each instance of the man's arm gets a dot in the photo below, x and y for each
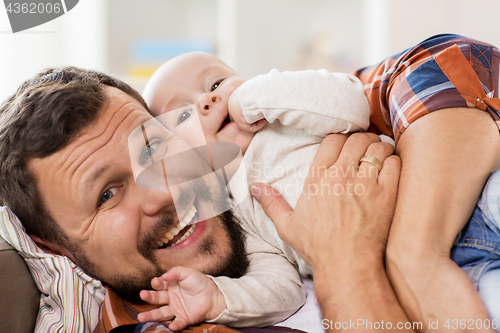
(446, 157)
(360, 295)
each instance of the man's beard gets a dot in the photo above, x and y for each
(128, 287)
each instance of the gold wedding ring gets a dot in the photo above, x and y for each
(372, 160)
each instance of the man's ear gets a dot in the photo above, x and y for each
(49, 247)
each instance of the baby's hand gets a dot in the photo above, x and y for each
(188, 297)
(236, 115)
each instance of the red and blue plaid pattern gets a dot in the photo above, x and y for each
(444, 71)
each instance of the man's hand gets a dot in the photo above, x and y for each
(340, 227)
(188, 297)
(346, 206)
(236, 115)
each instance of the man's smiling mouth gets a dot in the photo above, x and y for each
(180, 232)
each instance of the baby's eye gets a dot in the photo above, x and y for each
(185, 115)
(108, 194)
(215, 86)
(149, 151)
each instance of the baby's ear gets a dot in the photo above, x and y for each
(48, 247)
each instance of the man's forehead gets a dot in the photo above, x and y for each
(120, 101)
(119, 110)
(120, 115)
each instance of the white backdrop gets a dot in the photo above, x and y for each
(253, 36)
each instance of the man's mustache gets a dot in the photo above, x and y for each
(167, 219)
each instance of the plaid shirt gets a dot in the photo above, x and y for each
(444, 71)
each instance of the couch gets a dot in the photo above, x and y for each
(19, 297)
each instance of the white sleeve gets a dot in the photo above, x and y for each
(268, 293)
(319, 102)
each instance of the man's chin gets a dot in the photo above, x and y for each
(128, 288)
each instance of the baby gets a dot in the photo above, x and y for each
(200, 99)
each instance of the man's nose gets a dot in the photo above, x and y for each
(154, 201)
(207, 102)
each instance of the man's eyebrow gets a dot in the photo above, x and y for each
(98, 173)
(94, 176)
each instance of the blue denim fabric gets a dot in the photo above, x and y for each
(477, 247)
(151, 326)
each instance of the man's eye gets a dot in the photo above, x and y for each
(108, 194)
(215, 86)
(184, 116)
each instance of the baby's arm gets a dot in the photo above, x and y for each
(188, 297)
(268, 293)
(319, 102)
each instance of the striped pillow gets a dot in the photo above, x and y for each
(70, 299)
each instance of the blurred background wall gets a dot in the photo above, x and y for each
(130, 38)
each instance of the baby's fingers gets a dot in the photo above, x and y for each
(159, 284)
(154, 297)
(178, 273)
(179, 323)
(163, 313)
(254, 127)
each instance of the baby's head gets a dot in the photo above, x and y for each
(202, 80)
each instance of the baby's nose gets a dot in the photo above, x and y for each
(207, 102)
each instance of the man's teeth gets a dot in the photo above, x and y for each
(186, 235)
(169, 235)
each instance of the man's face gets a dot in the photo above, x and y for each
(114, 226)
(191, 93)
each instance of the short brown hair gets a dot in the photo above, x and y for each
(41, 118)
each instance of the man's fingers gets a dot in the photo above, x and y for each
(354, 148)
(328, 151)
(389, 176)
(375, 153)
(274, 206)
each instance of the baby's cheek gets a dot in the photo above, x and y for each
(233, 103)
(195, 138)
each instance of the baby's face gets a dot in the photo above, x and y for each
(191, 92)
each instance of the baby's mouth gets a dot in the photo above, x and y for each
(180, 232)
(226, 122)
